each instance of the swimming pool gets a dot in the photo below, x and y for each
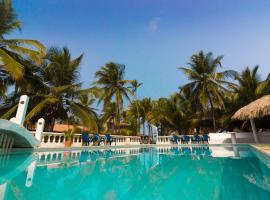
(168, 172)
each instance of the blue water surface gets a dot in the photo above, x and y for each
(202, 172)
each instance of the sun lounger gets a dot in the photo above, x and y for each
(174, 139)
(108, 139)
(205, 138)
(185, 139)
(85, 139)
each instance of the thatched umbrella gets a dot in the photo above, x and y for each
(256, 109)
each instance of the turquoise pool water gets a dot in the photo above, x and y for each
(215, 172)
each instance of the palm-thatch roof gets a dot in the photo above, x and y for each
(256, 109)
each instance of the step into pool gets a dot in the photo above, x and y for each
(169, 172)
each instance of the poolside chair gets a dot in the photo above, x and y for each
(108, 139)
(85, 139)
(205, 138)
(196, 139)
(185, 139)
(96, 139)
(174, 139)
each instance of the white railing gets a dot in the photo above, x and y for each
(227, 138)
(163, 139)
(57, 140)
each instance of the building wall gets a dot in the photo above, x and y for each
(241, 137)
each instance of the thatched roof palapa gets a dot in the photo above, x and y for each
(256, 109)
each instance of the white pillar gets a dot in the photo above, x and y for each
(233, 137)
(39, 129)
(30, 174)
(22, 108)
(254, 131)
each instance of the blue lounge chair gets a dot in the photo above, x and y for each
(85, 139)
(95, 139)
(174, 139)
(108, 139)
(185, 139)
(196, 139)
(205, 138)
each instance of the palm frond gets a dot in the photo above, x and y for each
(40, 106)
(14, 68)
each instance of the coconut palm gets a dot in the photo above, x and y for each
(14, 50)
(110, 80)
(263, 87)
(134, 86)
(145, 107)
(248, 83)
(208, 86)
(63, 95)
(109, 116)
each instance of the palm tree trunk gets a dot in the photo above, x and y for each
(143, 127)
(213, 115)
(118, 118)
(138, 114)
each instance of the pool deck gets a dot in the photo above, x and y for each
(265, 148)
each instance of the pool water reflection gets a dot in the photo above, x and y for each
(202, 172)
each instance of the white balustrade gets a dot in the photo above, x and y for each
(57, 140)
(163, 140)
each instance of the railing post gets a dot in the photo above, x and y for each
(127, 140)
(233, 137)
(39, 129)
(21, 111)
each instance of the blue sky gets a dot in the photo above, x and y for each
(151, 37)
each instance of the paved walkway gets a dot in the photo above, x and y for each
(263, 147)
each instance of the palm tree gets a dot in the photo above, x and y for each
(109, 116)
(145, 107)
(248, 83)
(246, 91)
(63, 95)
(208, 86)
(134, 86)
(110, 80)
(263, 87)
(14, 50)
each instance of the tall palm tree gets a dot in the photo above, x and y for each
(63, 95)
(134, 86)
(14, 50)
(110, 80)
(109, 116)
(208, 86)
(248, 83)
(264, 87)
(145, 107)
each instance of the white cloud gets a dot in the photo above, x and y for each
(154, 24)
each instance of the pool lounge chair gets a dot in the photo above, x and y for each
(196, 139)
(174, 139)
(205, 138)
(96, 139)
(108, 139)
(85, 139)
(185, 139)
